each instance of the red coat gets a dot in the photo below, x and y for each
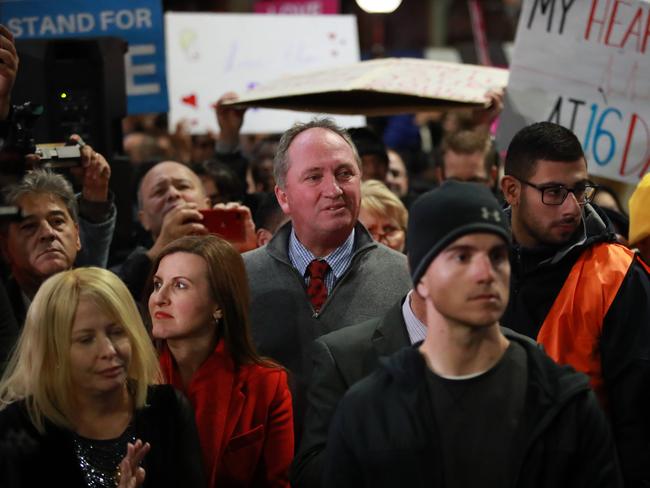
(244, 418)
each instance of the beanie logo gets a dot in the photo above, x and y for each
(490, 215)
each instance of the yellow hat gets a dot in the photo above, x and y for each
(640, 211)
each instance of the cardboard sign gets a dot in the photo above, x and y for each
(311, 7)
(139, 22)
(585, 65)
(211, 54)
(381, 87)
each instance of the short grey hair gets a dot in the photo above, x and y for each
(43, 181)
(281, 160)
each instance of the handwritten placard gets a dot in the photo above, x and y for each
(210, 54)
(381, 87)
(584, 64)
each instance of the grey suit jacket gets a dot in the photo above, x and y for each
(340, 359)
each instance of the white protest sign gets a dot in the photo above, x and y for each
(585, 65)
(210, 54)
(380, 87)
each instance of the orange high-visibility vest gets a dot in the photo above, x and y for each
(572, 329)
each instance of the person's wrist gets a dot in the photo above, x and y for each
(95, 196)
(5, 107)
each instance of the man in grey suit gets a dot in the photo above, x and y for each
(342, 358)
(321, 271)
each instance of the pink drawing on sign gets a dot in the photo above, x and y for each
(190, 100)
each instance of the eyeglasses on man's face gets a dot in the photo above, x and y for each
(556, 194)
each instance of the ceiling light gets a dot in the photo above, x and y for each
(379, 6)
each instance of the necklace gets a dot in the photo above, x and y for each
(99, 459)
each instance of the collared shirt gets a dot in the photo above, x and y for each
(416, 329)
(339, 260)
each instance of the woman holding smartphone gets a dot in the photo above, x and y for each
(199, 309)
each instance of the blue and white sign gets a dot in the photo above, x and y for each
(139, 22)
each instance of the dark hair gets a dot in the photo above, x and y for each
(470, 142)
(263, 153)
(265, 148)
(269, 214)
(368, 142)
(230, 187)
(229, 286)
(540, 141)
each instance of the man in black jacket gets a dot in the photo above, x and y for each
(574, 289)
(470, 406)
(340, 359)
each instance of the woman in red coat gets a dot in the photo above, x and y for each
(199, 308)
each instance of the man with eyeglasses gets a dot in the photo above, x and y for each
(574, 289)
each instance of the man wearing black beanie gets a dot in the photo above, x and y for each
(469, 406)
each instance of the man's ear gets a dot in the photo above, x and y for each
(263, 236)
(282, 200)
(422, 289)
(144, 221)
(76, 226)
(511, 189)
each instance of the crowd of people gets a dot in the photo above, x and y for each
(397, 311)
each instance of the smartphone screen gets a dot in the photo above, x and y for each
(226, 223)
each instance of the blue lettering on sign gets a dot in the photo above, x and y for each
(602, 138)
(139, 22)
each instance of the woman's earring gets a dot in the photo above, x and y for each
(217, 316)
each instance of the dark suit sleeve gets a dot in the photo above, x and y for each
(625, 356)
(326, 388)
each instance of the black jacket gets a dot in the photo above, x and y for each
(30, 459)
(384, 433)
(536, 279)
(340, 359)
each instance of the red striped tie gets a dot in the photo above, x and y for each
(317, 290)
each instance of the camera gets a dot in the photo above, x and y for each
(56, 156)
(19, 142)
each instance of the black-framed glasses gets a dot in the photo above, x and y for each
(556, 194)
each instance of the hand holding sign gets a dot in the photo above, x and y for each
(230, 120)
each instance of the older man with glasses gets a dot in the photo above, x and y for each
(583, 296)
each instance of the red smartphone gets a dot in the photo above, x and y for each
(226, 223)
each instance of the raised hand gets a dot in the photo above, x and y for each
(130, 473)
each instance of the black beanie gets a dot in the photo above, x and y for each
(440, 216)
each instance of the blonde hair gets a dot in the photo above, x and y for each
(39, 368)
(376, 198)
